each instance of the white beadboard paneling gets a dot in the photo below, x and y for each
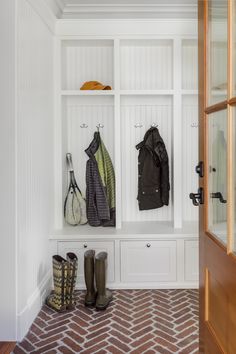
(189, 64)
(8, 172)
(34, 151)
(190, 155)
(86, 60)
(144, 110)
(146, 64)
(90, 111)
(219, 65)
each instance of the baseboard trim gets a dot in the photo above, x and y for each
(34, 303)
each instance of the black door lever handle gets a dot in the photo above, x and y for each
(197, 198)
(219, 196)
(200, 169)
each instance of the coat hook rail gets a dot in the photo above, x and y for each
(154, 125)
(194, 125)
(84, 125)
(138, 125)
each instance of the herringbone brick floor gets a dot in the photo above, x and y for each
(136, 322)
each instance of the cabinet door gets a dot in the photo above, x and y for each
(148, 261)
(79, 247)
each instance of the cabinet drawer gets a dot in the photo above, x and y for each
(191, 260)
(148, 261)
(79, 247)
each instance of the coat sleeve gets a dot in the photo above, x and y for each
(91, 209)
(97, 206)
(100, 197)
(161, 152)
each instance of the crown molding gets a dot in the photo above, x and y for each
(130, 10)
(56, 7)
(61, 4)
(124, 27)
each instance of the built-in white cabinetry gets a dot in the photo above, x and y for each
(148, 261)
(79, 247)
(154, 82)
(167, 259)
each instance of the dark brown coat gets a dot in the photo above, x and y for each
(153, 171)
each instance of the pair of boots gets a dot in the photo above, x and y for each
(96, 266)
(64, 278)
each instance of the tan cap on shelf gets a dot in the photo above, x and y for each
(94, 85)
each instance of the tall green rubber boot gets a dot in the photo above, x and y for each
(71, 280)
(57, 299)
(104, 296)
(90, 296)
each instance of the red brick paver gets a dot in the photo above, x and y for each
(137, 321)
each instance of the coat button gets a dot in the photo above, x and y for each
(139, 176)
(143, 192)
(156, 190)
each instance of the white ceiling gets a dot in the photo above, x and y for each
(111, 9)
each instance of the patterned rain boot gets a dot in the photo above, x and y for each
(57, 299)
(104, 296)
(90, 296)
(71, 280)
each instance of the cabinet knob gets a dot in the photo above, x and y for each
(148, 245)
(85, 245)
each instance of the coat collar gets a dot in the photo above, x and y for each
(94, 145)
(151, 138)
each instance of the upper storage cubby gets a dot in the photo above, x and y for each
(189, 64)
(146, 64)
(86, 60)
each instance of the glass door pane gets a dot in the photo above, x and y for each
(217, 52)
(217, 168)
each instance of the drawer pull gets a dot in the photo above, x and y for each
(148, 245)
(85, 245)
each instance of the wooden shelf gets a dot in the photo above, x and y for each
(87, 92)
(130, 230)
(189, 92)
(146, 92)
(218, 93)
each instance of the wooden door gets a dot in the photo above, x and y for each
(217, 114)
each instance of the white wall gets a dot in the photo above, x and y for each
(34, 160)
(7, 174)
(26, 156)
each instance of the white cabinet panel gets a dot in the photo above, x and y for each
(144, 261)
(79, 247)
(191, 260)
